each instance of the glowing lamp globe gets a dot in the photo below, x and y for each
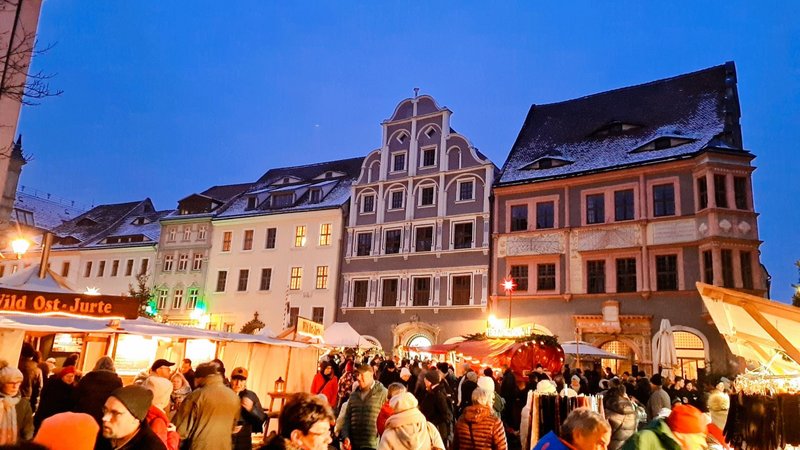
(280, 385)
(20, 246)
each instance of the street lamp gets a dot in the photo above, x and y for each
(509, 285)
(20, 245)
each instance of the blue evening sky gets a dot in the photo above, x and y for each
(166, 98)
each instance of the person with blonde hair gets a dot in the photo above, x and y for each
(478, 427)
(16, 416)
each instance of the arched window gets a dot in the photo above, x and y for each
(622, 349)
(419, 341)
(691, 353)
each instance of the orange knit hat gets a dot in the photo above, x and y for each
(68, 431)
(686, 419)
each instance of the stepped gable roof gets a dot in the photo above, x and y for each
(658, 121)
(300, 180)
(47, 214)
(98, 223)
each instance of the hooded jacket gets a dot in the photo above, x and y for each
(408, 430)
(158, 422)
(655, 436)
(478, 429)
(621, 415)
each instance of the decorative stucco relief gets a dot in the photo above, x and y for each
(672, 232)
(621, 237)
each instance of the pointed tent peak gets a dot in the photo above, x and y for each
(28, 279)
(342, 334)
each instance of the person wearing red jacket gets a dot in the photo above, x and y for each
(386, 410)
(326, 383)
(157, 417)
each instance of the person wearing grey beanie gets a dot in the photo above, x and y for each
(16, 416)
(124, 427)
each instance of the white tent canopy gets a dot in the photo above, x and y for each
(341, 334)
(28, 279)
(585, 349)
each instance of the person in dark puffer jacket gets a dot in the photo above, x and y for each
(621, 415)
(95, 387)
(478, 428)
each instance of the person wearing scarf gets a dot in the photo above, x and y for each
(180, 389)
(326, 383)
(16, 416)
(58, 395)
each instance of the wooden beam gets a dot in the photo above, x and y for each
(787, 346)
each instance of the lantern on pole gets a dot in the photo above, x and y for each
(280, 385)
(509, 285)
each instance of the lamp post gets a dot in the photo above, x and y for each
(509, 285)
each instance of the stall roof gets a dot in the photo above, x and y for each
(756, 329)
(482, 350)
(28, 279)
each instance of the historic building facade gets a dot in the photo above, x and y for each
(612, 206)
(416, 260)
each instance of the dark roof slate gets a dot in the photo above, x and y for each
(47, 214)
(702, 106)
(110, 220)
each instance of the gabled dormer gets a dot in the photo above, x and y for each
(662, 143)
(282, 199)
(86, 222)
(547, 162)
(126, 239)
(197, 204)
(614, 128)
(141, 220)
(329, 174)
(286, 180)
(68, 240)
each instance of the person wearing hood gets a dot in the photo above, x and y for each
(392, 390)
(180, 389)
(346, 383)
(478, 428)
(435, 405)
(326, 383)
(407, 428)
(58, 395)
(95, 387)
(304, 424)
(621, 415)
(16, 417)
(157, 418)
(684, 429)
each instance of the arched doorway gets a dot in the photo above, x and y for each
(622, 349)
(691, 353)
(419, 340)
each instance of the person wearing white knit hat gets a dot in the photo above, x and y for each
(407, 428)
(487, 384)
(157, 417)
(16, 416)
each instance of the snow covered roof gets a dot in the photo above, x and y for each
(28, 279)
(335, 190)
(47, 213)
(215, 196)
(94, 227)
(699, 110)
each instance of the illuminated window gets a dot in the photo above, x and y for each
(177, 299)
(325, 234)
(296, 280)
(621, 349)
(300, 236)
(191, 302)
(322, 277)
(247, 243)
(691, 353)
(226, 241)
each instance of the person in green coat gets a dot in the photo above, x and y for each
(684, 429)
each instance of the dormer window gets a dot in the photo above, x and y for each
(86, 222)
(282, 200)
(252, 202)
(663, 142)
(285, 180)
(314, 195)
(68, 240)
(614, 129)
(140, 221)
(328, 175)
(547, 162)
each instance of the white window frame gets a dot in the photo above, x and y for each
(419, 197)
(330, 235)
(422, 156)
(412, 290)
(177, 299)
(453, 233)
(371, 234)
(183, 262)
(352, 299)
(172, 234)
(414, 236)
(168, 261)
(405, 161)
(201, 233)
(361, 203)
(383, 247)
(197, 263)
(192, 295)
(471, 287)
(379, 295)
(461, 181)
(187, 232)
(391, 194)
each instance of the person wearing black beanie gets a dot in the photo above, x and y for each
(123, 420)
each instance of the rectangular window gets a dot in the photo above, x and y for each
(623, 205)
(427, 196)
(702, 193)
(322, 277)
(187, 233)
(247, 242)
(88, 272)
(422, 291)
(173, 232)
(244, 275)
(177, 299)
(545, 215)
(318, 314)
(392, 242)
(167, 266)
(519, 218)
(197, 261)
(183, 262)
(294, 312)
(360, 291)
(222, 279)
(266, 279)
(201, 233)
(114, 267)
(667, 272)
(389, 292)
(226, 241)
(162, 299)
(429, 157)
(746, 264)
(423, 241)
(720, 192)
(191, 300)
(626, 275)
(296, 279)
(364, 244)
(300, 236)
(282, 200)
(520, 276)
(545, 277)
(398, 162)
(368, 204)
(708, 267)
(727, 268)
(740, 192)
(462, 290)
(64, 269)
(314, 195)
(325, 234)
(143, 266)
(462, 235)
(663, 200)
(128, 267)
(101, 268)
(466, 190)
(595, 277)
(271, 233)
(595, 209)
(397, 200)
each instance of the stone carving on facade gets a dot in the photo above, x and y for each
(725, 225)
(618, 237)
(744, 227)
(673, 231)
(528, 245)
(703, 229)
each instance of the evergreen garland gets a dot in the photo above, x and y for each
(551, 341)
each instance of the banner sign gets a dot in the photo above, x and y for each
(308, 328)
(72, 304)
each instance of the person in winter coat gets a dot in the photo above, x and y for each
(346, 383)
(407, 428)
(326, 383)
(392, 390)
(16, 417)
(498, 404)
(252, 415)
(718, 404)
(435, 405)
(468, 386)
(208, 415)
(390, 374)
(33, 381)
(683, 429)
(360, 428)
(180, 389)
(621, 415)
(478, 428)
(95, 387)
(582, 430)
(124, 425)
(157, 418)
(58, 395)
(304, 424)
